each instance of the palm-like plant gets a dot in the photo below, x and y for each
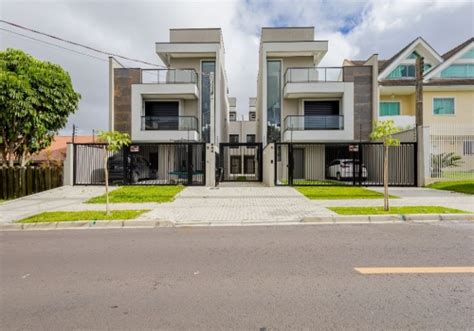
(444, 160)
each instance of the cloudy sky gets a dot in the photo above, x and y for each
(355, 29)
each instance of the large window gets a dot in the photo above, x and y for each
(458, 71)
(233, 138)
(250, 138)
(161, 115)
(207, 67)
(443, 106)
(389, 108)
(249, 164)
(406, 71)
(273, 100)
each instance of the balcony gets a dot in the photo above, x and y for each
(313, 122)
(313, 74)
(169, 123)
(169, 76)
(164, 128)
(318, 128)
(168, 83)
(314, 82)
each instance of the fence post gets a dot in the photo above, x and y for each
(190, 164)
(69, 176)
(290, 164)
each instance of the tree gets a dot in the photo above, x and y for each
(383, 131)
(115, 141)
(36, 99)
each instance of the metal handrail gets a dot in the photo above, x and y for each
(313, 122)
(169, 76)
(178, 123)
(313, 74)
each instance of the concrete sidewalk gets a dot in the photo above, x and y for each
(61, 198)
(226, 204)
(410, 196)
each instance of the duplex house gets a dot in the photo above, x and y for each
(184, 101)
(167, 109)
(319, 110)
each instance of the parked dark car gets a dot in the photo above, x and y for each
(138, 168)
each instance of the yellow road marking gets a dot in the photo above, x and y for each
(415, 270)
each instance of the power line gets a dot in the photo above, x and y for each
(54, 45)
(81, 45)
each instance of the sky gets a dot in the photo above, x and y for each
(355, 30)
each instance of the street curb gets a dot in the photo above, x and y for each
(319, 220)
(362, 219)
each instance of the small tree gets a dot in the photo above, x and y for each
(383, 131)
(115, 142)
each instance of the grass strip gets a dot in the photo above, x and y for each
(404, 210)
(338, 192)
(140, 193)
(86, 215)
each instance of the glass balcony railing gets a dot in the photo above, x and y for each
(314, 74)
(168, 76)
(314, 122)
(178, 123)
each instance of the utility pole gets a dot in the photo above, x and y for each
(419, 90)
(422, 136)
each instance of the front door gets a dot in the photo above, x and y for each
(298, 163)
(241, 161)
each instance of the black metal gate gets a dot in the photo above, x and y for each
(344, 164)
(240, 162)
(142, 164)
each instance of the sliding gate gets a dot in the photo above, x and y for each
(344, 164)
(240, 162)
(141, 164)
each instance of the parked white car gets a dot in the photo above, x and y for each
(342, 169)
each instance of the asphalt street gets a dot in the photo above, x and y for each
(280, 277)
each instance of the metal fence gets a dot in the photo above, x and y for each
(141, 164)
(451, 149)
(240, 162)
(344, 164)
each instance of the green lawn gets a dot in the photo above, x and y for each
(461, 186)
(395, 210)
(338, 192)
(138, 193)
(88, 215)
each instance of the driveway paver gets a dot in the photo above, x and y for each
(237, 204)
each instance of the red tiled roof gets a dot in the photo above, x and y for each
(57, 150)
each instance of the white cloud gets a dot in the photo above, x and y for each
(355, 29)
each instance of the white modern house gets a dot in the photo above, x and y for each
(185, 102)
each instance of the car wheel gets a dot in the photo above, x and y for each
(338, 176)
(135, 177)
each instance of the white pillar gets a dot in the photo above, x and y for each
(211, 151)
(268, 165)
(423, 157)
(68, 166)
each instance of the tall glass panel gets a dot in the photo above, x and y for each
(207, 67)
(273, 100)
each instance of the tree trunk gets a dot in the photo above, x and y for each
(385, 179)
(106, 172)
